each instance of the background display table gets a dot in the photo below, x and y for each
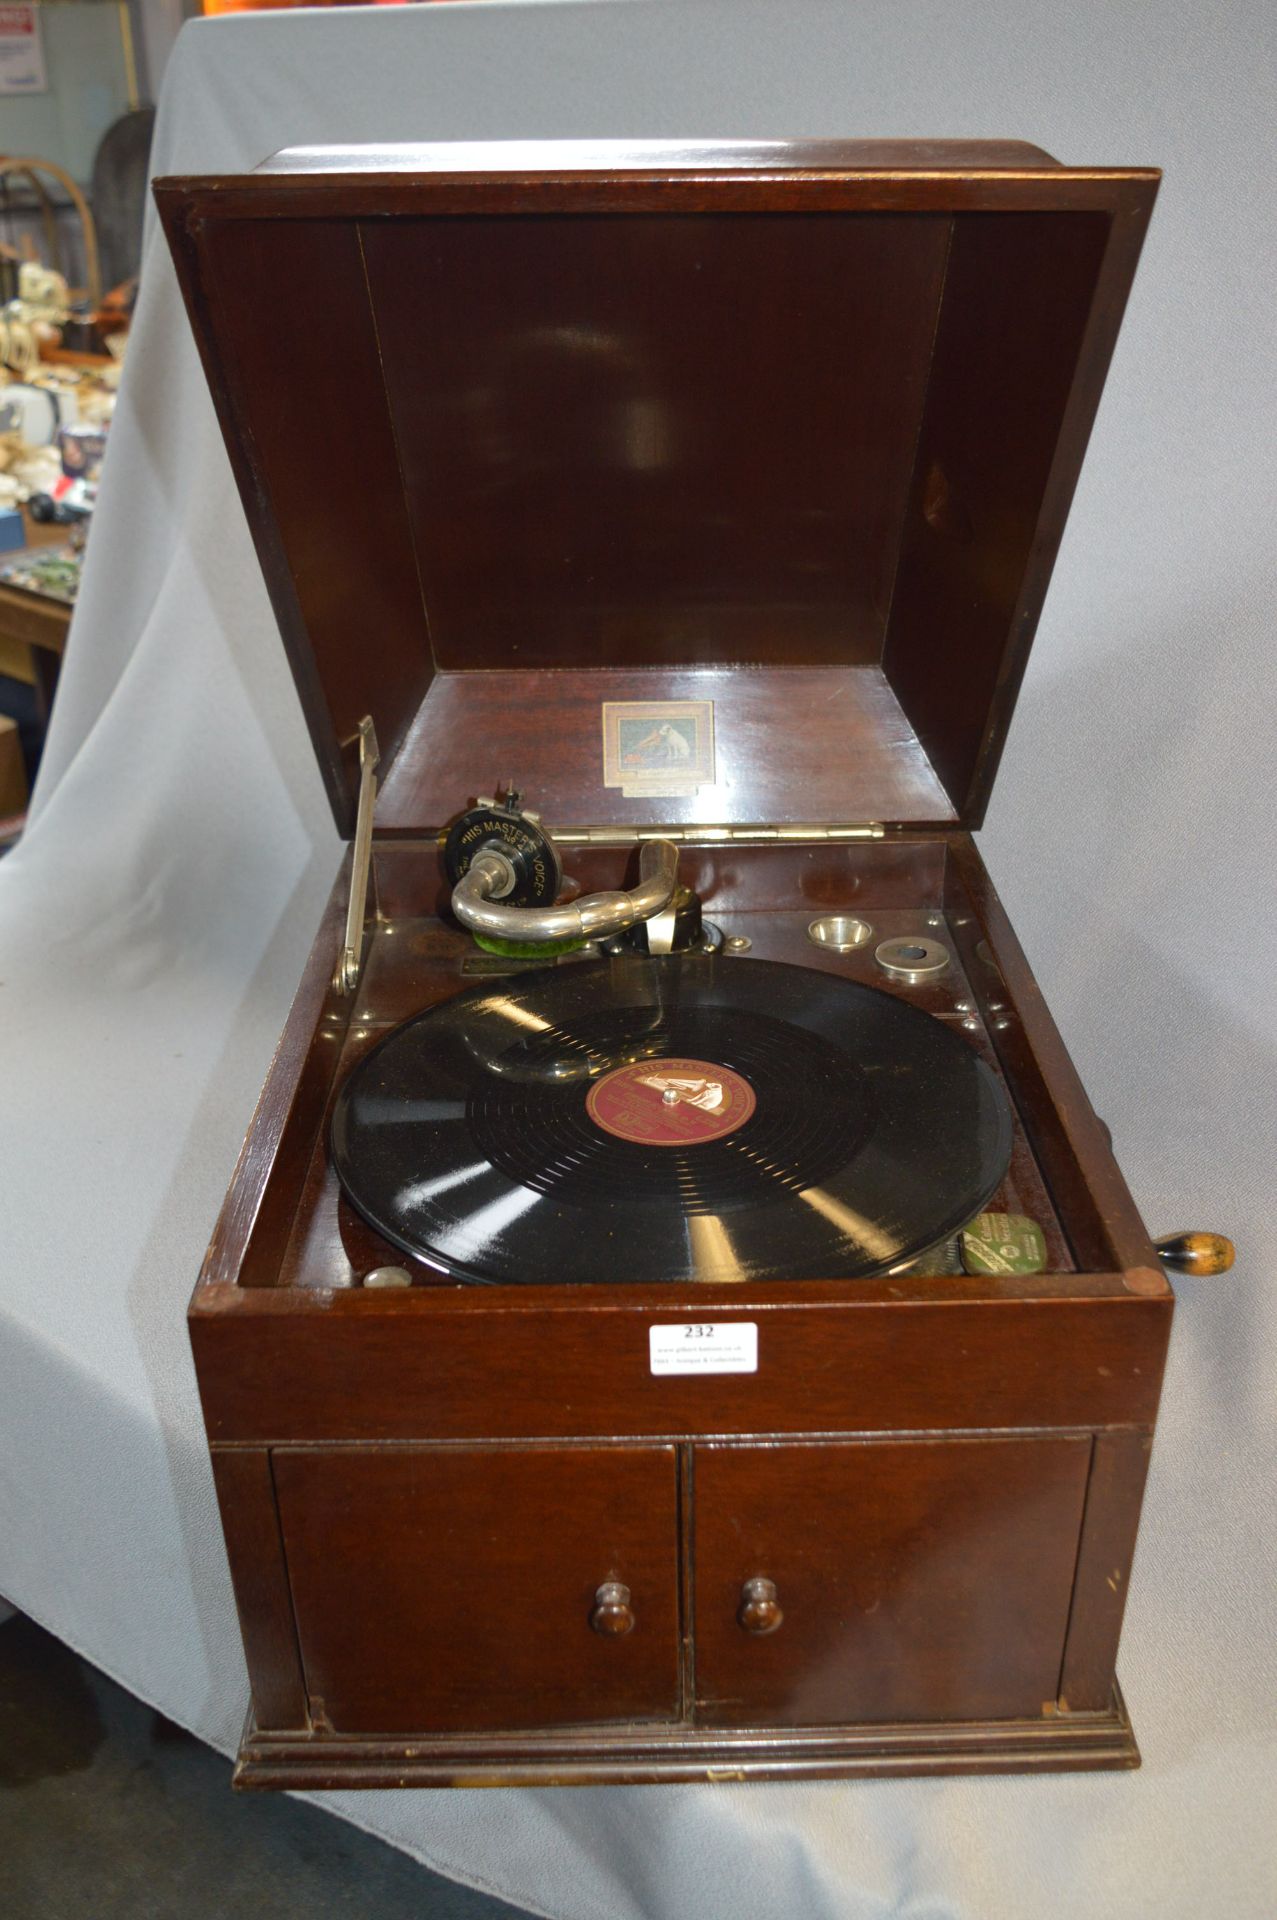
(33, 624)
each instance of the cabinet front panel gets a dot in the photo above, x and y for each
(446, 1589)
(913, 1580)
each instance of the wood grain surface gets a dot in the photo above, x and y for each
(453, 1589)
(792, 743)
(637, 1756)
(922, 1581)
(805, 407)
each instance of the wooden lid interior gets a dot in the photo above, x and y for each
(798, 445)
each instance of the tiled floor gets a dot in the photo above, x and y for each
(108, 1812)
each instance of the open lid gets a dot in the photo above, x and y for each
(676, 482)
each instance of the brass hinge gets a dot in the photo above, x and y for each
(346, 977)
(815, 833)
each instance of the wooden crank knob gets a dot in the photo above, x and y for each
(1197, 1253)
(759, 1609)
(613, 1615)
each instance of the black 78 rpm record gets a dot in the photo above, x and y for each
(671, 1119)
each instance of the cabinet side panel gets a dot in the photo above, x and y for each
(1071, 1143)
(250, 1523)
(251, 1232)
(1118, 1471)
(1030, 316)
(281, 315)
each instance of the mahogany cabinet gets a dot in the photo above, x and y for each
(789, 432)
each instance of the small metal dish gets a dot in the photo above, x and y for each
(912, 957)
(840, 932)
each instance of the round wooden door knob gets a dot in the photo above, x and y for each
(1199, 1253)
(613, 1615)
(759, 1609)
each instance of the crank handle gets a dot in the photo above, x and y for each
(1195, 1253)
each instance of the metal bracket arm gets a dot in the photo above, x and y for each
(347, 975)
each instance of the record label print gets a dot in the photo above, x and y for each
(689, 1117)
(670, 1103)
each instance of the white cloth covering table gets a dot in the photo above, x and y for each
(155, 919)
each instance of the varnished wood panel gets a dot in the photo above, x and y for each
(1113, 1497)
(639, 496)
(900, 871)
(285, 1364)
(814, 743)
(1070, 1141)
(452, 1589)
(1017, 297)
(636, 1756)
(1027, 328)
(257, 1214)
(784, 176)
(282, 320)
(250, 1523)
(656, 441)
(916, 1581)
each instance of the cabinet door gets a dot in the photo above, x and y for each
(921, 1580)
(442, 1588)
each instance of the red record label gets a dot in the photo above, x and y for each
(670, 1103)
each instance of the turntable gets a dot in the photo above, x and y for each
(676, 1314)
